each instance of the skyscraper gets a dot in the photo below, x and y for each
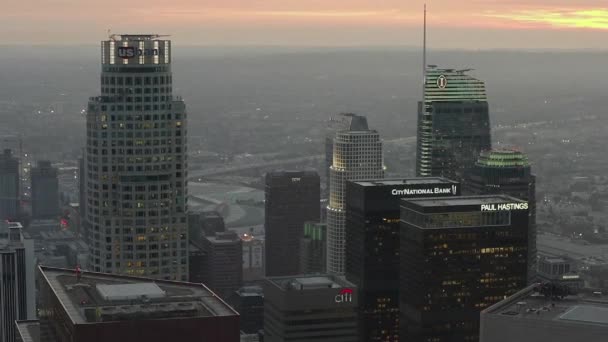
(357, 155)
(17, 294)
(372, 247)
(82, 195)
(507, 171)
(458, 256)
(453, 124)
(336, 123)
(292, 198)
(45, 190)
(224, 262)
(136, 163)
(9, 186)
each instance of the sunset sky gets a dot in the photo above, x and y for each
(470, 24)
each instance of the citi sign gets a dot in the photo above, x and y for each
(345, 296)
(504, 206)
(127, 52)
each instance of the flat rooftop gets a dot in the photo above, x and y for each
(101, 297)
(313, 282)
(29, 331)
(462, 201)
(586, 307)
(405, 181)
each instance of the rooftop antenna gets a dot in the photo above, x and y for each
(424, 59)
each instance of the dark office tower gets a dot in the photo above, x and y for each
(313, 248)
(372, 247)
(357, 156)
(197, 263)
(17, 294)
(453, 124)
(136, 163)
(508, 172)
(319, 308)
(9, 186)
(45, 191)
(248, 301)
(88, 306)
(458, 256)
(336, 123)
(224, 269)
(212, 222)
(292, 198)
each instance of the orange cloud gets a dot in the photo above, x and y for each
(587, 19)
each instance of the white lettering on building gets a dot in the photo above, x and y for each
(430, 191)
(504, 206)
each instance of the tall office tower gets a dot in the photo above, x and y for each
(547, 312)
(82, 193)
(313, 248)
(9, 186)
(372, 247)
(458, 256)
(91, 306)
(253, 257)
(310, 308)
(137, 163)
(335, 124)
(292, 198)
(453, 124)
(502, 171)
(248, 301)
(45, 190)
(17, 294)
(224, 269)
(357, 156)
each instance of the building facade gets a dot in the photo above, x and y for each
(136, 163)
(335, 124)
(310, 308)
(9, 186)
(292, 198)
(313, 248)
(224, 267)
(357, 156)
(91, 306)
(507, 171)
(453, 124)
(372, 247)
(45, 190)
(17, 293)
(248, 301)
(458, 256)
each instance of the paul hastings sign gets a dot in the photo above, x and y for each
(504, 206)
(450, 190)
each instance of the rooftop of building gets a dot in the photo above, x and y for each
(463, 200)
(140, 36)
(227, 237)
(250, 291)
(451, 85)
(29, 330)
(309, 282)
(585, 307)
(101, 297)
(405, 181)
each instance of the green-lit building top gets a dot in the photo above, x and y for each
(449, 85)
(503, 158)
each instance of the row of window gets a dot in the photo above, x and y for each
(136, 80)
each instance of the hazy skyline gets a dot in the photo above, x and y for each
(483, 24)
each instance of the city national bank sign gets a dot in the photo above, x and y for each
(446, 190)
(127, 52)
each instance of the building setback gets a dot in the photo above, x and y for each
(17, 294)
(310, 308)
(92, 306)
(453, 124)
(292, 198)
(45, 191)
(9, 186)
(136, 162)
(504, 171)
(458, 256)
(372, 247)
(357, 156)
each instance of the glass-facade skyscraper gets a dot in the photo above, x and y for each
(507, 171)
(453, 124)
(357, 155)
(136, 163)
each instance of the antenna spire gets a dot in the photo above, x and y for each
(424, 58)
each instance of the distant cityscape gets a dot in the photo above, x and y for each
(457, 233)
